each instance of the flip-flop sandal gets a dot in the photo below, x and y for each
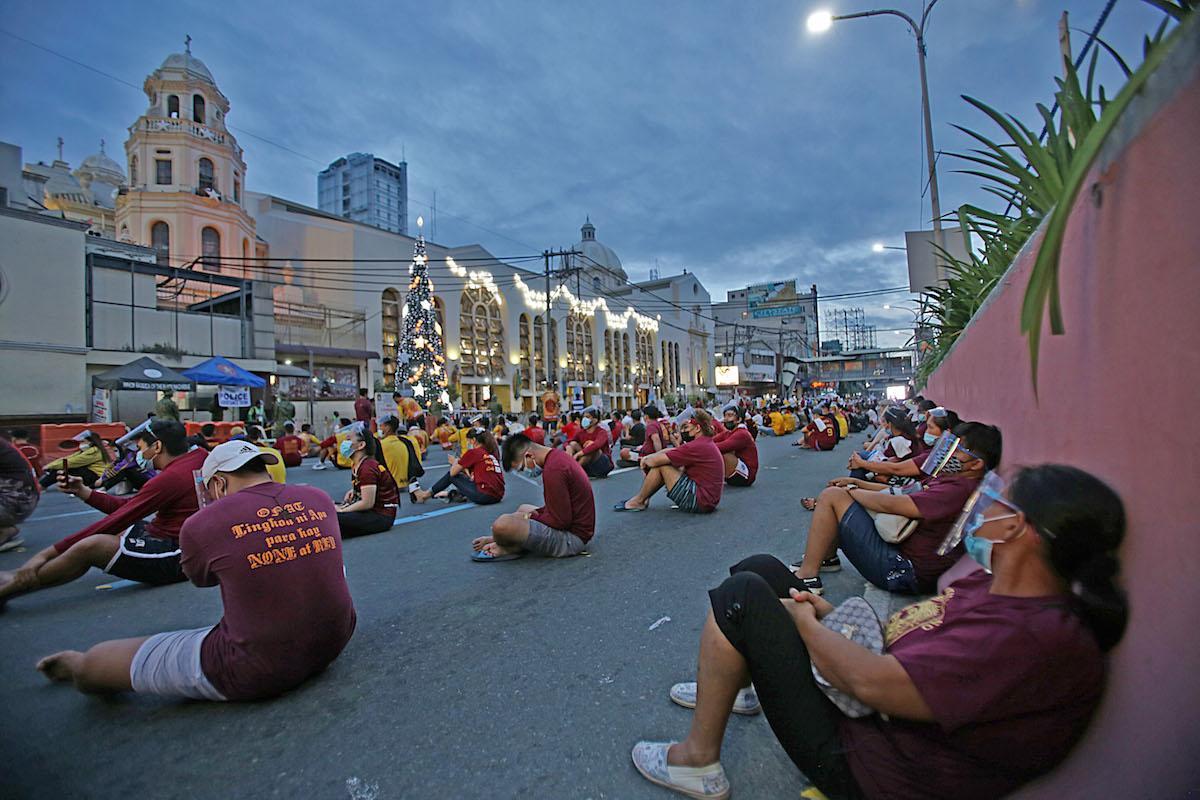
(808, 503)
(487, 558)
(11, 544)
(622, 507)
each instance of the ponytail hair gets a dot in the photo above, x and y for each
(485, 439)
(1082, 521)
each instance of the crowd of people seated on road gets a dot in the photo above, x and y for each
(926, 703)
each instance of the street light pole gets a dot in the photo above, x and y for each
(820, 23)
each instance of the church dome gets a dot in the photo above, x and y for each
(99, 166)
(599, 257)
(189, 65)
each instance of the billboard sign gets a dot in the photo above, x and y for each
(727, 376)
(777, 299)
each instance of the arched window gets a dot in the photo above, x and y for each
(160, 240)
(579, 348)
(645, 356)
(675, 357)
(198, 109)
(626, 371)
(525, 348)
(664, 382)
(539, 350)
(210, 248)
(133, 171)
(610, 366)
(596, 285)
(482, 333)
(173, 106)
(208, 178)
(390, 321)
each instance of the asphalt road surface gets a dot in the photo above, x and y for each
(531, 678)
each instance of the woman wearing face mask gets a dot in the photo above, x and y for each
(938, 421)
(476, 477)
(1011, 655)
(370, 505)
(592, 446)
(87, 463)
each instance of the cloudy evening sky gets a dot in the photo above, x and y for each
(719, 137)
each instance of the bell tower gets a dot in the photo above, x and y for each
(186, 173)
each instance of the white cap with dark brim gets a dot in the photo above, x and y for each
(232, 455)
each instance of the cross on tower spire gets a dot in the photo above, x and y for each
(60, 146)
(187, 44)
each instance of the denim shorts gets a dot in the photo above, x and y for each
(879, 562)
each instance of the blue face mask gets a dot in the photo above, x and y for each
(346, 448)
(929, 438)
(142, 463)
(979, 549)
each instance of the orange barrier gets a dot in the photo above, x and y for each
(221, 430)
(53, 437)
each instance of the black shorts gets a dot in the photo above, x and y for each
(738, 480)
(146, 558)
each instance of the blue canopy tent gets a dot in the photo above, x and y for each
(218, 371)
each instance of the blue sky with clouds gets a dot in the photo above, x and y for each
(719, 137)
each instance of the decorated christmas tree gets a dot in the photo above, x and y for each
(421, 362)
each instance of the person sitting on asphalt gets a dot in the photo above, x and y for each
(416, 430)
(633, 435)
(940, 420)
(534, 430)
(205, 437)
(820, 433)
(737, 447)
(370, 504)
(693, 471)
(87, 462)
(331, 445)
(287, 609)
(444, 433)
(312, 445)
(592, 447)
(616, 429)
(562, 527)
(19, 494)
(400, 455)
(841, 519)
(1014, 652)
(276, 468)
(569, 429)
(20, 440)
(774, 422)
(124, 544)
(476, 477)
(290, 446)
(654, 436)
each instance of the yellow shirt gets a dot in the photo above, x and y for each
(83, 459)
(789, 423)
(460, 439)
(342, 461)
(277, 471)
(777, 424)
(396, 456)
(421, 439)
(444, 434)
(843, 425)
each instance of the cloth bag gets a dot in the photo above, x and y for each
(893, 528)
(856, 620)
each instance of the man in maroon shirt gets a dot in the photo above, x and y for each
(592, 446)
(841, 519)
(654, 438)
(363, 408)
(290, 446)
(560, 528)
(124, 544)
(737, 447)
(275, 551)
(693, 471)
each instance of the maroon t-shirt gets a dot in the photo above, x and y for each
(653, 426)
(593, 439)
(1012, 683)
(276, 552)
(291, 448)
(170, 496)
(739, 442)
(371, 473)
(536, 435)
(940, 502)
(485, 471)
(362, 410)
(570, 505)
(701, 461)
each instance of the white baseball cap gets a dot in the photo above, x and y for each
(230, 456)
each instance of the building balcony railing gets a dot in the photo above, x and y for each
(178, 125)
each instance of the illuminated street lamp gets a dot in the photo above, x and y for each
(821, 21)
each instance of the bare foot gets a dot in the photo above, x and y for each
(481, 542)
(809, 503)
(420, 496)
(492, 548)
(61, 666)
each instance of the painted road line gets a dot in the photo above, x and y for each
(121, 584)
(428, 514)
(527, 479)
(622, 469)
(62, 516)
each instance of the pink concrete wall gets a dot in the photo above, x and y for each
(1119, 394)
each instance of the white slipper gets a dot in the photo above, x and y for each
(702, 783)
(746, 702)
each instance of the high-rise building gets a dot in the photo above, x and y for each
(366, 189)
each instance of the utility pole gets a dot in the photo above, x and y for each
(551, 367)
